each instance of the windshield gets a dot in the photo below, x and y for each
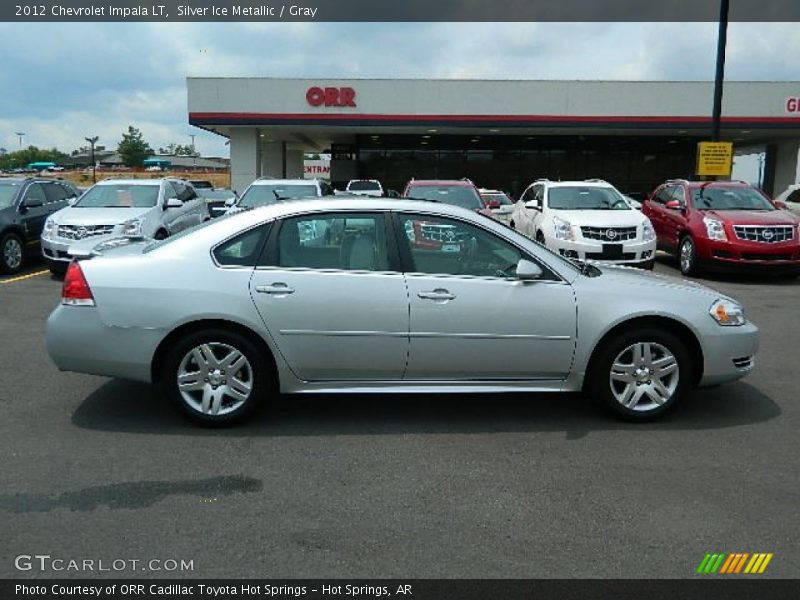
(364, 186)
(8, 191)
(458, 195)
(585, 198)
(258, 195)
(729, 198)
(498, 197)
(120, 195)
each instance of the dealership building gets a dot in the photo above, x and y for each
(501, 134)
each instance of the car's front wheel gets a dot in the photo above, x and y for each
(642, 374)
(12, 253)
(687, 256)
(216, 377)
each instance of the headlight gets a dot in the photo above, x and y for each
(49, 226)
(562, 230)
(648, 233)
(727, 313)
(715, 229)
(132, 228)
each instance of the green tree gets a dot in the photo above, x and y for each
(132, 149)
(22, 158)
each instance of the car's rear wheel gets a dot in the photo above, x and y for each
(216, 377)
(160, 235)
(641, 374)
(687, 256)
(12, 254)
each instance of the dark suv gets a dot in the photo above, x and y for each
(723, 224)
(25, 205)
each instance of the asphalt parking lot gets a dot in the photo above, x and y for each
(490, 487)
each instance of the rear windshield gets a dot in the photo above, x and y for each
(364, 186)
(729, 198)
(8, 191)
(259, 195)
(120, 195)
(458, 195)
(585, 198)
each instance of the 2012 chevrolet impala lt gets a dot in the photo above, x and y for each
(383, 295)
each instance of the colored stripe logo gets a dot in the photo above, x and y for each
(735, 563)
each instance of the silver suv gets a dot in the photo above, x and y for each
(153, 208)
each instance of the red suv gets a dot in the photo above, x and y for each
(460, 192)
(723, 224)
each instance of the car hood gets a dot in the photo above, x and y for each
(98, 216)
(601, 218)
(754, 217)
(627, 276)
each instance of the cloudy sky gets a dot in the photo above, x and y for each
(63, 82)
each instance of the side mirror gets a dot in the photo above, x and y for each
(780, 204)
(230, 201)
(72, 200)
(673, 205)
(173, 203)
(533, 205)
(32, 202)
(528, 271)
(493, 204)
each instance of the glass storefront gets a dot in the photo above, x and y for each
(634, 164)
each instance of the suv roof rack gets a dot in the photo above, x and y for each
(596, 180)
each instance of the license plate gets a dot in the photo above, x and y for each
(451, 247)
(612, 250)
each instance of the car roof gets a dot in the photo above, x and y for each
(717, 184)
(285, 182)
(453, 182)
(132, 181)
(584, 183)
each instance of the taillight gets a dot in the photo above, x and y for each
(76, 290)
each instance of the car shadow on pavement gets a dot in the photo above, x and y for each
(747, 277)
(127, 407)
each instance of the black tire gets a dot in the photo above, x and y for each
(12, 254)
(260, 377)
(602, 388)
(57, 267)
(513, 225)
(688, 267)
(648, 266)
(540, 238)
(161, 235)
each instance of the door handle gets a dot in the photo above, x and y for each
(437, 294)
(275, 288)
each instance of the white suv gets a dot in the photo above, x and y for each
(153, 208)
(586, 220)
(365, 187)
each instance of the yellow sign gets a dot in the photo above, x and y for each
(715, 158)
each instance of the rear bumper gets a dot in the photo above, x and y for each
(729, 354)
(77, 340)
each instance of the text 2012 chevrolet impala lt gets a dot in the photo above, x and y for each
(349, 295)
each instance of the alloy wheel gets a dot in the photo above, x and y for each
(687, 256)
(12, 254)
(215, 379)
(644, 376)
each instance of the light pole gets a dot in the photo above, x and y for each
(722, 39)
(20, 134)
(92, 141)
(194, 153)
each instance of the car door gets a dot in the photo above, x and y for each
(675, 218)
(178, 218)
(33, 211)
(333, 297)
(471, 319)
(655, 210)
(58, 196)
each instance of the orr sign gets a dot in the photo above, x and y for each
(331, 96)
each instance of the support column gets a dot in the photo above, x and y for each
(245, 159)
(781, 166)
(294, 163)
(273, 157)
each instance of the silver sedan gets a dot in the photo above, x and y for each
(383, 295)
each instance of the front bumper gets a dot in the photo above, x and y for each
(56, 250)
(78, 340)
(633, 251)
(742, 254)
(729, 353)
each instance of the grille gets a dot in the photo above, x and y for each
(771, 234)
(745, 362)
(616, 234)
(610, 256)
(79, 232)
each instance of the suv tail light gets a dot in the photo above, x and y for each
(76, 290)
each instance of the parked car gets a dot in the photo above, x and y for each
(458, 192)
(633, 202)
(217, 200)
(365, 187)
(154, 208)
(266, 190)
(585, 220)
(498, 203)
(25, 205)
(790, 198)
(200, 184)
(255, 303)
(723, 225)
